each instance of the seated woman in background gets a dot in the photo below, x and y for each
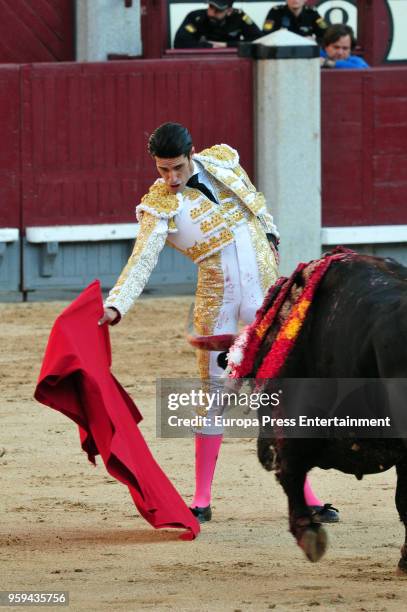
(337, 45)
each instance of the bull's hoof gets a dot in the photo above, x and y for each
(266, 454)
(402, 567)
(268, 463)
(314, 542)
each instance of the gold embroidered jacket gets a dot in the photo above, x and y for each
(191, 222)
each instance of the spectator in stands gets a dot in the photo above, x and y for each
(337, 45)
(220, 25)
(296, 17)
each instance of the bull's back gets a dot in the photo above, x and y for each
(357, 324)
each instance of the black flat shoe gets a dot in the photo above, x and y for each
(325, 514)
(202, 514)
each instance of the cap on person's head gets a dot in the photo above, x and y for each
(222, 5)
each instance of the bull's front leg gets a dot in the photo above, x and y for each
(401, 504)
(308, 532)
(266, 453)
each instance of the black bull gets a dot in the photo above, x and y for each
(356, 328)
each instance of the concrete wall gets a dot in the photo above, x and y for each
(107, 26)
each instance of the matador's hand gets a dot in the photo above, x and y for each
(109, 316)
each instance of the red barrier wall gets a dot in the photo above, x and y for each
(36, 31)
(74, 136)
(10, 125)
(86, 128)
(364, 151)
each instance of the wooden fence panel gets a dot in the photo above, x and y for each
(10, 200)
(36, 31)
(364, 152)
(85, 130)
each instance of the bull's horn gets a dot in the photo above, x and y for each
(221, 342)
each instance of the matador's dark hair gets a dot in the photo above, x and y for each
(170, 140)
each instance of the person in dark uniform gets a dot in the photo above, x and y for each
(296, 17)
(219, 25)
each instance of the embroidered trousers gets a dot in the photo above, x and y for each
(231, 287)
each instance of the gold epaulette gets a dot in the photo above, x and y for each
(159, 202)
(219, 155)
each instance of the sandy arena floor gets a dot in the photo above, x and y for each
(68, 526)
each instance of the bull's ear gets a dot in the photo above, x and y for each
(222, 360)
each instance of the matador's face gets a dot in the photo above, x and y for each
(176, 171)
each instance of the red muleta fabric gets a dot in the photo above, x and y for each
(75, 379)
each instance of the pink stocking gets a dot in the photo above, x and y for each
(310, 498)
(206, 454)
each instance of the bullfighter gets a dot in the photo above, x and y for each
(205, 206)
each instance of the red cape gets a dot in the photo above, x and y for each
(75, 379)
